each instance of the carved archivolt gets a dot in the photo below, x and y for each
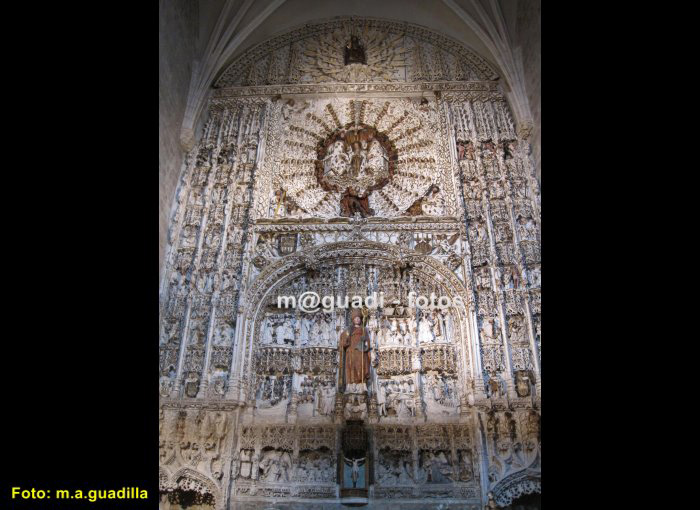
(516, 485)
(269, 279)
(276, 276)
(394, 52)
(189, 480)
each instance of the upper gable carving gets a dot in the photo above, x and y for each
(356, 51)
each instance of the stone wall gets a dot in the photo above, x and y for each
(177, 45)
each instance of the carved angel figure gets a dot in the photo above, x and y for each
(376, 160)
(337, 160)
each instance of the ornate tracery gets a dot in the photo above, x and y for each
(306, 181)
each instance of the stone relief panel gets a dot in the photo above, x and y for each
(397, 397)
(315, 466)
(192, 450)
(352, 51)
(395, 468)
(294, 193)
(345, 157)
(296, 361)
(273, 390)
(441, 392)
(285, 461)
(513, 450)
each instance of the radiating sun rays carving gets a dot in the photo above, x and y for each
(373, 150)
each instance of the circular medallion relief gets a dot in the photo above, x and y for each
(356, 159)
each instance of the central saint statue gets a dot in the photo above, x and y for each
(355, 343)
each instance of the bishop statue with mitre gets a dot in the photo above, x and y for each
(355, 343)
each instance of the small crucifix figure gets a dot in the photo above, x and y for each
(355, 467)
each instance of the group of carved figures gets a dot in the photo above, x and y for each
(275, 465)
(278, 330)
(430, 328)
(319, 393)
(442, 389)
(320, 329)
(392, 468)
(273, 390)
(434, 467)
(314, 466)
(396, 397)
(317, 330)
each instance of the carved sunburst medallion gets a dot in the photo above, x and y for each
(358, 157)
(341, 157)
(354, 54)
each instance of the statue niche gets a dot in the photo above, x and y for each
(354, 463)
(354, 52)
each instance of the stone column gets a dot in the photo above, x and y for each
(418, 384)
(372, 415)
(184, 341)
(339, 417)
(204, 378)
(415, 455)
(453, 454)
(292, 407)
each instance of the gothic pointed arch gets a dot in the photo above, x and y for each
(275, 279)
(189, 480)
(518, 484)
